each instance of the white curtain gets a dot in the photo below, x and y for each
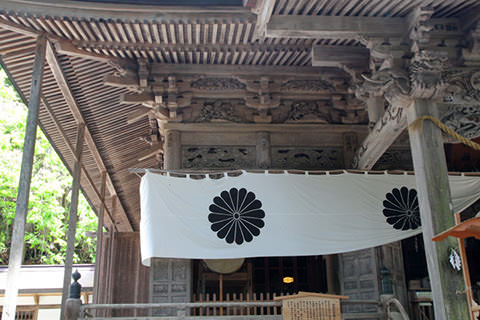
(261, 214)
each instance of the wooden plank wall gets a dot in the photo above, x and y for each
(123, 278)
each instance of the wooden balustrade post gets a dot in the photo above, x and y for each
(72, 309)
(73, 303)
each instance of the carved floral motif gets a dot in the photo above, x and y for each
(217, 84)
(218, 110)
(463, 87)
(305, 111)
(465, 120)
(307, 85)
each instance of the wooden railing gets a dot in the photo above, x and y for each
(24, 313)
(260, 306)
(182, 310)
(252, 297)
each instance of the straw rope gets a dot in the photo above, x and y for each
(417, 124)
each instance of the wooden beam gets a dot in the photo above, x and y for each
(233, 70)
(125, 12)
(21, 209)
(381, 137)
(264, 9)
(64, 86)
(339, 56)
(72, 216)
(193, 47)
(434, 199)
(68, 48)
(121, 82)
(340, 27)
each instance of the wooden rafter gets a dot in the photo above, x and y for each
(63, 46)
(70, 148)
(64, 86)
(8, 25)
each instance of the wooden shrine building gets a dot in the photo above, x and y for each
(211, 85)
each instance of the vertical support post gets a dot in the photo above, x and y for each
(21, 209)
(99, 251)
(173, 150)
(331, 266)
(263, 152)
(72, 220)
(435, 211)
(350, 146)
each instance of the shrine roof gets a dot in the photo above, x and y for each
(91, 39)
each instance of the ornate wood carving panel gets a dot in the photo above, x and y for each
(395, 159)
(218, 157)
(321, 158)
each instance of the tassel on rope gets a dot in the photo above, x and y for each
(417, 124)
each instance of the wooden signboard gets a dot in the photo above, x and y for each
(310, 306)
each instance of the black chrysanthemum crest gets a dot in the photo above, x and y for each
(236, 216)
(401, 209)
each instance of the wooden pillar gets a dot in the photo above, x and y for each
(99, 252)
(431, 176)
(350, 146)
(21, 209)
(263, 153)
(72, 220)
(332, 270)
(173, 150)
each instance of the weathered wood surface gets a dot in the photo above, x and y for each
(21, 209)
(97, 290)
(263, 150)
(200, 46)
(173, 151)
(127, 12)
(72, 216)
(339, 56)
(336, 27)
(124, 280)
(229, 70)
(66, 91)
(435, 212)
(381, 137)
(264, 11)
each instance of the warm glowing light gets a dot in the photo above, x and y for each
(287, 279)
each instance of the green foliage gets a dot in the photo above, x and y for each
(47, 220)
